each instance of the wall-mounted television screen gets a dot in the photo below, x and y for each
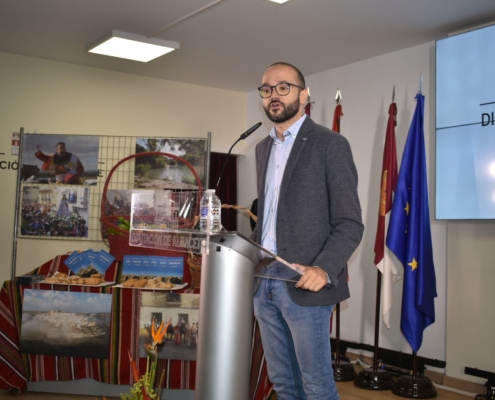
(465, 125)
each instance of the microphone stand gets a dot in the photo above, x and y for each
(225, 162)
(242, 137)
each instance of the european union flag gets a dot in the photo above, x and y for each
(409, 234)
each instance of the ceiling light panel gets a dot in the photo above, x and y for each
(131, 47)
(279, 2)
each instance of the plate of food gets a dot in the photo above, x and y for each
(156, 283)
(61, 278)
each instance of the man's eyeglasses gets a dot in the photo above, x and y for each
(283, 89)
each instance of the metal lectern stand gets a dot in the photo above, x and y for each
(225, 318)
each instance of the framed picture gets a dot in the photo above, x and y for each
(162, 172)
(54, 211)
(62, 159)
(180, 315)
(66, 323)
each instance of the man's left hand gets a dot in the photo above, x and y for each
(314, 278)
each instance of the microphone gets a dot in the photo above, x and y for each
(242, 137)
(248, 132)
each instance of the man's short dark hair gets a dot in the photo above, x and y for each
(300, 76)
(59, 143)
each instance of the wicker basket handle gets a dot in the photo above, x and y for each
(104, 200)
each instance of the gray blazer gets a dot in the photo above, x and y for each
(319, 215)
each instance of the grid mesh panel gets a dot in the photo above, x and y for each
(112, 149)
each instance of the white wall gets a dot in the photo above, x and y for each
(53, 97)
(367, 91)
(470, 298)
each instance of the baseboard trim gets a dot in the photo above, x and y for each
(462, 384)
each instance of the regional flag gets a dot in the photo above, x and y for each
(337, 116)
(383, 256)
(409, 234)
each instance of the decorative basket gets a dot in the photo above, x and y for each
(119, 245)
(194, 263)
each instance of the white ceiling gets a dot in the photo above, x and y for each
(230, 44)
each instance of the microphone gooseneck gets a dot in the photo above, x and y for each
(242, 137)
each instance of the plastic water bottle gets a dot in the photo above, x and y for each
(211, 209)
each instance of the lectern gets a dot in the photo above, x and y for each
(225, 318)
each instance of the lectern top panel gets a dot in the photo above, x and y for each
(236, 242)
(286, 270)
(240, 243)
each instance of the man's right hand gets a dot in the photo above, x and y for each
(313, 279)
(37, 146)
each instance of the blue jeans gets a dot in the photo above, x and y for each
(296, 341)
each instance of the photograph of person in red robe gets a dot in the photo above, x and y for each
(59, 159)
(67, 166)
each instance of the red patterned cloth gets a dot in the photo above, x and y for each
(16, 369)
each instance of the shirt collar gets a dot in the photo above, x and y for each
(292, 131)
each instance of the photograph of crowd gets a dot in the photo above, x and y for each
(120, 201)
(179, 313)
(54, 211)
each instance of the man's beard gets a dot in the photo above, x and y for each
(285, 114)
(61, 160)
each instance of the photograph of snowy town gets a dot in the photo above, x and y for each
(66, 323)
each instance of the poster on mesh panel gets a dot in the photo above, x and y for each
(179, 313)
(60, 159)
(54, 211)
(66, 323)
(160, 172)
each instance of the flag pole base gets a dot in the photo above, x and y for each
(343, 371)
(419, 388)
(374, 380)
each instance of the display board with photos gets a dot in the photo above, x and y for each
(62, 178)
(153, 272)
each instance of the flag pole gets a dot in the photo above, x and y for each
(377, 319)
(374, 378)
(415, 365)
(343, 370)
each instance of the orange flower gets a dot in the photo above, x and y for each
(158, 334)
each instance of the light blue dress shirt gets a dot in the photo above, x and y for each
(276, 166)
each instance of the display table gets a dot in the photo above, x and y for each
(16, 368)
